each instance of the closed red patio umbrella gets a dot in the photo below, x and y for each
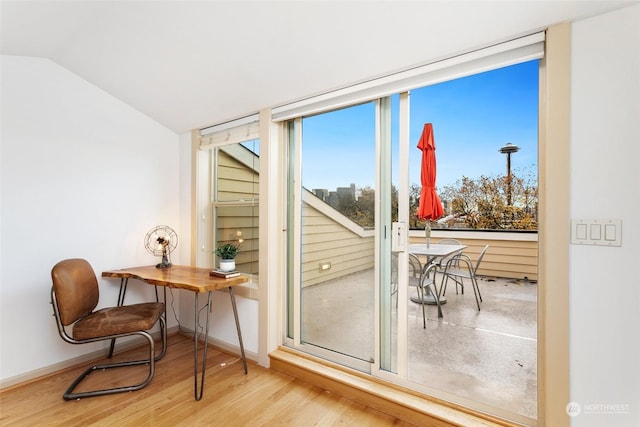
(430, 207)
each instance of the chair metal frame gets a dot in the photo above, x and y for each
(414, 264)
(462, 267)
(425, 282)
(62, 330)
(442, 261)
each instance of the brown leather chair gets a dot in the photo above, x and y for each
(74, 296)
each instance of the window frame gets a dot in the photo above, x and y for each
(494, 57)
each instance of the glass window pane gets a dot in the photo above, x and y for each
(235, 206)
(473, 118)
(338, 218)
(239, 224)
(237, 172)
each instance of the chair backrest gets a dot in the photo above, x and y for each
(414, 270)
(475, 269)
(445, 260)
(76, 289)
(448, 242)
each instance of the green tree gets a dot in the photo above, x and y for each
(479, 204)
(482, 203)
(414, 200)
(360, 210)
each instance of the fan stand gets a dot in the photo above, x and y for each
(165, 259)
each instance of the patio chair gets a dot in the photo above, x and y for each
(442, 261)
(419, 279)
(424, 283)
(414, 273)
(461, 267)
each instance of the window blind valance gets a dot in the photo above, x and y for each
(232, 132)
(501, 55)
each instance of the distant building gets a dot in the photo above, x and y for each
(321, 193)
(332, 198)
(347, 191)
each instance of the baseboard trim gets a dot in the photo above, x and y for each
(56, 368)
(222, 345)
(70, 363)
(404, 404)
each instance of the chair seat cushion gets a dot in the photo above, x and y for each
(118, 320)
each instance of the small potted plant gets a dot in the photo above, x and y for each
(227, 253)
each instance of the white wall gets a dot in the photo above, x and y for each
(83, 175)
(605, 174)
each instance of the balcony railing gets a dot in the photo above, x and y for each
(510, 254)
(334, 247)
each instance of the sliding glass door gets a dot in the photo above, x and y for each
(342, 234)
(354, 182)
(337, 228)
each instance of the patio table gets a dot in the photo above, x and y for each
(431, 252)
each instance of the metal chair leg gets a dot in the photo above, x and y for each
(434, 292)
(422, 303)
(437, 298)
(474, 285)
(70, 395)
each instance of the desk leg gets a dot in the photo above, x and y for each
(163, 331)
(235, 315)
(123, 290)
(198, 394)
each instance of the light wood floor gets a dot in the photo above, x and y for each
(263, 397)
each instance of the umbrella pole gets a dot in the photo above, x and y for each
(427, 232)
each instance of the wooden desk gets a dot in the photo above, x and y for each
(196, 280)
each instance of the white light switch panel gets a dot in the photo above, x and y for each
(600, 232)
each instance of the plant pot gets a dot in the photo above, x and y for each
(227, 264)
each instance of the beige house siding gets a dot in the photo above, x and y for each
(237, 216)
(238, 176)
(329, 237)
(512, 255)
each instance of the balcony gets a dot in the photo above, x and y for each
(486, 360)
(481, 359)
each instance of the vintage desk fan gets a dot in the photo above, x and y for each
(161, 241)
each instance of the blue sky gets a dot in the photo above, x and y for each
(472, 118)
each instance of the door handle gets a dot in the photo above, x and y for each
(398, 237)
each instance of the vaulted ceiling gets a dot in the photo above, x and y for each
(192, 64)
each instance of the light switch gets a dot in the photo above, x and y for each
(581, 231)
(596, 231)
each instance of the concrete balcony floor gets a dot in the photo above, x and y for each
(488, 357)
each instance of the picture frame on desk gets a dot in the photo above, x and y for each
(224, 274)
